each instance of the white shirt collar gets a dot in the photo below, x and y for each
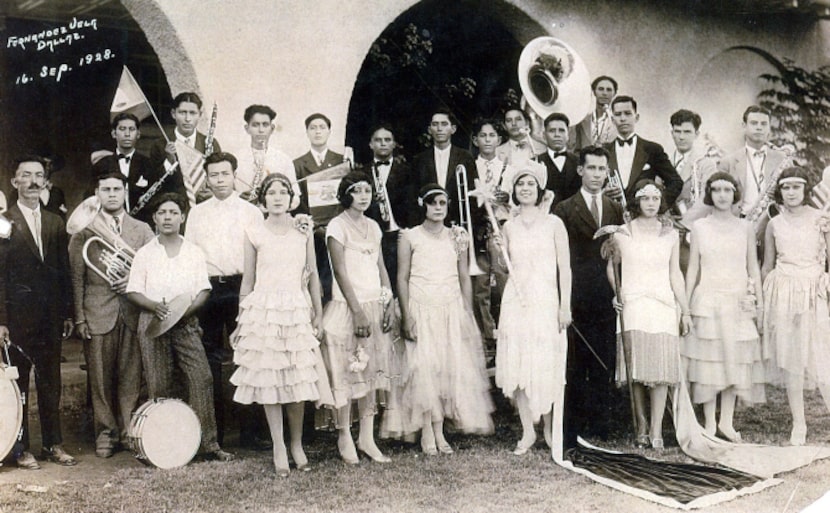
(26, 210)
(181, 137)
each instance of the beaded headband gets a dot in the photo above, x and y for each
(352, 186)
(724, 183)
(431, 192)
(648, 189)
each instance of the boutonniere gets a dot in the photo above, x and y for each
(646, 167)
(5, 227)
(303, 223)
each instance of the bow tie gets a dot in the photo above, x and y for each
(125, 157)
(557, 154)
(379, 163)
(759, 153)
(623, 142)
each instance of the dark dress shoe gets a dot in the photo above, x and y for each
(27, 461)
(57, 455)
(220, 455)
(257, 444)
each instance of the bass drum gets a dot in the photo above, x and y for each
(11, 413)
(165, 433)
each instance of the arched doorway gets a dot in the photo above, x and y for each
(461, 55)
(62, 62)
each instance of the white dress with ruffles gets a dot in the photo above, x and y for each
(278, 356)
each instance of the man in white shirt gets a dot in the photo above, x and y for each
(167, 270)
(218, 226)
(260, 158)
(106, 321)
(520, 146)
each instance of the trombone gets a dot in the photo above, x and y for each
(115, 257)
(464, 218)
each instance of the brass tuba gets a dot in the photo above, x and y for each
(553, 78)
(115, 257)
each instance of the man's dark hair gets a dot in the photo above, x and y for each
(259, 109)
(29, 157)
(685, 116)
(383, 125)
(318, 115)
(598, 151)
(187, 97)
(624, 99)
(755, 109)
(220, 156)
(600, 78)
(121, 116)
(478, 124)
(557, 116)
(511, 107)
(175, 197)
(445, 111)
(110, 174)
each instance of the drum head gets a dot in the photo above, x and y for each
(169, 434)
(11, 415)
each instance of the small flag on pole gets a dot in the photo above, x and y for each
(190, 163)
(129, 98)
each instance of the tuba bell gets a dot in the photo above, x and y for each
(114, 258)
(553, 78)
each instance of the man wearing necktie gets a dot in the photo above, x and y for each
(590, 394)
(186, 112)
(36, 306)
(635, 158)
(318, 158)
(139, 171)
(395, 176)
(563, 179)
(106, 321)
(596, 128)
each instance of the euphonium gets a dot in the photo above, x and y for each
(115, 257)
(464, 217)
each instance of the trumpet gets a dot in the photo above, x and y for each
(614, 180)
(115, 258)
(464, 217)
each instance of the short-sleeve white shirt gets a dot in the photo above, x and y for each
(159, 277)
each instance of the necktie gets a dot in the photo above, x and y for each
(623, 142)
(678, 161)
(116, 224)
(595, 208)
(488, 174)
(125, 157)
(188, 141)
(38, 240)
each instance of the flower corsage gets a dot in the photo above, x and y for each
(358, 360)
(461, 239)
(304, 223)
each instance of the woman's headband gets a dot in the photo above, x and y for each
(432, 192)
(352, 186)
(723, 183)
(792, 179)
(648, 189)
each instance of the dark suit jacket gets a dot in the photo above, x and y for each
(399, 190)
(651, 154)
(158, 156)
(143, 174)
(94, 299)
(423, 167)
(34, 291)
(563, 182)
(306, 165)
(591, 293)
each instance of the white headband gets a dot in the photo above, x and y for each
(726, 183)
(431, 192)
(648, 189)
(792, 179)
(352, 186)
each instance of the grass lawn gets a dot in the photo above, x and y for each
(483, 476)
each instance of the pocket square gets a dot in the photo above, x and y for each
(142, 182)
(646, 167)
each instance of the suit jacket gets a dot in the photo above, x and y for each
(735, 165)
(400, 194)
(591, 293)
(505, 151)
(306, 165)
(143, 174)
(581, 134)
(95, 301)
(34, 291)
(56, 203)
(423, 166)
(563, 182)
(649, 154)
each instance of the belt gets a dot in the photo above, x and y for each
(226, 279)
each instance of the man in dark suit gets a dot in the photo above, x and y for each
(107, 322)
(141, 174)
(589, 394)
(318, 158)
(563, 178)
(186, 112)
(635, 158)
(438, 165)
(36, 306)
(395, 177)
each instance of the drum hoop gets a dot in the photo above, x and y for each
(7, 446)
(137, 423)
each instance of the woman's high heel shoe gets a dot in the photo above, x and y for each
(657, 443)
(380, 458)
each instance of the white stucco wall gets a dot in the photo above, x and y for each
(301, 56)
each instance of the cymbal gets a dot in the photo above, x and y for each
(178, 306)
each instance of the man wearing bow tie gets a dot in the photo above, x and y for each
(754, 163)
(635, 158)
(520, 146)
(596, 128)
(563, 179)
(135, 167)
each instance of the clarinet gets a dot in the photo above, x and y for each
(147, 196)
(211, 130)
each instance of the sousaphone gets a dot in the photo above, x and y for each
(553, 78)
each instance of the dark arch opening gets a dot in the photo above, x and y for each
(56, 97)
(461, 55)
